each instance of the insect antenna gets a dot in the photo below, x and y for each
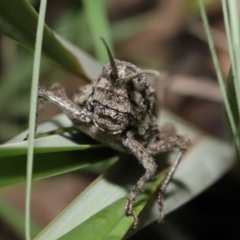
(114, 72)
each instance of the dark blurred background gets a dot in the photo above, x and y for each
(163, 35)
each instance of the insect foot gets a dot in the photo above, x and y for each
(119, 109)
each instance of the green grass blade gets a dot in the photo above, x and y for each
(234, 52)
(232, 96)
(32, 115)
(232, 80)
(51, 163)
(235, 31)
(18, 20)
(218, 72)
(228, 34)
(89, 65)
(55, 152)
(95, 12)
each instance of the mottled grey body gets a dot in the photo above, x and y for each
(119, 109)
(115, 107)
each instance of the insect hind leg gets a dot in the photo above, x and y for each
(169, 141)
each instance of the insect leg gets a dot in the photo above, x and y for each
(57, 96)
(57, 88)
(169, 143)
(166, 144)
(150, 166)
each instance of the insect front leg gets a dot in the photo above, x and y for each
(42, 101)
(56, 95)
(180, 142)
(150, 166)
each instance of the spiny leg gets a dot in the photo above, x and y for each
(41, 103)
(56, 95)
(166, 144)
(76, 113)
(169, 143)
(165, 183)
(150, 166)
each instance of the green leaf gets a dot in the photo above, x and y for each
(111, 222)
(18, 20)
(95, 13)
(54, 154)
(221, 82)
(32, 114)
(13, 169)
(231, 94)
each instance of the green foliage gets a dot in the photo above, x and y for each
(95, 11)
(18, 20)
(230, 91)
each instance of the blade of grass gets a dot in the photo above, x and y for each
(53, 163)
(89, 65)
(231, 91)
(111, 222)
(95, 12)
(56, 152)
(232, 80)
(230, 15)
(18, 20)
(218, 72)
(228, 34)
(234, 51)
(234, 23)
(32, 115)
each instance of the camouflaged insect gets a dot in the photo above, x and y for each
(119, 109)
